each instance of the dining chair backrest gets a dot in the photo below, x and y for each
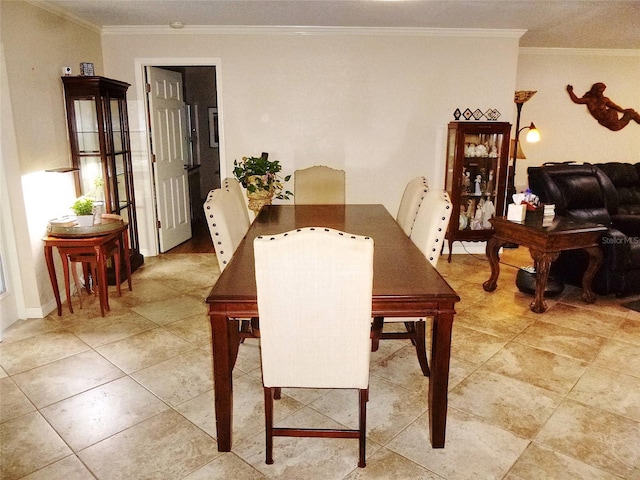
(319, 185)
(228, 223)
(234, 186)
(314, 290)
(412, 197)
(431, 224)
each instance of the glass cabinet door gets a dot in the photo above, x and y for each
(480, 169)
(87, 137)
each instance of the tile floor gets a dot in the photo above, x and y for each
(129, 396)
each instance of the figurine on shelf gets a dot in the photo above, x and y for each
(477, 181)
(469, 149)
(490, 183)
(488, 211)
(462, 223)
(471, 210)
(467, 181)
(478, 218)
(481, 150)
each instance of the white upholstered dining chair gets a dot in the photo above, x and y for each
(428, 235)
(319, 185)
(412, 197)
(234, 186)
(228, 222)
(314, 291)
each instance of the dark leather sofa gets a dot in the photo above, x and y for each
(587, 193)
(626, 180)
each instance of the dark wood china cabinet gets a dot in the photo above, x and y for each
(476, 173)
(100, 148)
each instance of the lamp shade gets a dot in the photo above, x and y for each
(533, 135)
(519, 153)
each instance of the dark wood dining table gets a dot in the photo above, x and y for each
(405, 284)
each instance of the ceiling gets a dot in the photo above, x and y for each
(608, 24)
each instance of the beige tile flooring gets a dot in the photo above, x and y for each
(129, 396)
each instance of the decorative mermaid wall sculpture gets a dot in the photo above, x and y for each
(603, 109)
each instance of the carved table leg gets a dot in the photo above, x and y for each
(595, 260)
(493, 247)
(543, 262)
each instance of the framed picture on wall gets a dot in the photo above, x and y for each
(213, 127)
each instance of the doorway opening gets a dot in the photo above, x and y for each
(202, 155)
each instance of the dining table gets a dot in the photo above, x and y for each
(405, 284)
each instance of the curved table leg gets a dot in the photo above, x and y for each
(595, 260)
(493, 247)
(542, 262)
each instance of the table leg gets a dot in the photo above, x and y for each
(48, 255)
(542, 263)
(493, 247)
(595, 260)
(127, 255)
(222, 379)
(102, 279)
(67, 287)
(439, 379)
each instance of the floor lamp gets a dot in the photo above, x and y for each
(533, 135)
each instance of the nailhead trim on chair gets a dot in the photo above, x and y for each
(424, 193)
(312, 229)
(440, 228)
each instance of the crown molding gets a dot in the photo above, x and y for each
(56, 10)
(309, 30)
(587, 52)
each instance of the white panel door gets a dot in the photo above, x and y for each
(169, 145)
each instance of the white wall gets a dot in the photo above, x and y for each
(569, 132)
(36, 45)
(376, 105)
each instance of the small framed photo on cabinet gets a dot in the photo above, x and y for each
(86, 69)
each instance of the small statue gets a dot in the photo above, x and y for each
(490, 183)
(603, 109)
(481, 150)
(488, 211)
(467, 181)
(471, 209)
(469, 149)
(478, 218)
(477, 181)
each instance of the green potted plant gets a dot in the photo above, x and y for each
(83, 208)
(260, 176)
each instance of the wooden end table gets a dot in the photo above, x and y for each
(545, 242)
(94, 242)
